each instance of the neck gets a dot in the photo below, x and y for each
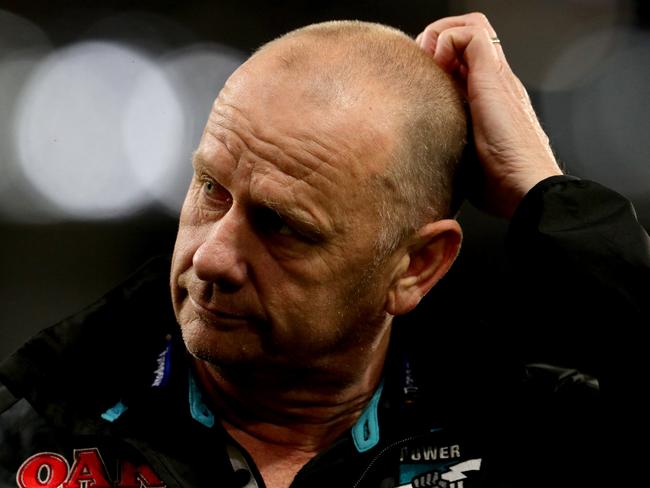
(302, 410)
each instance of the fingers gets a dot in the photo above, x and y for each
(473, 18)
(463, 46)
(468, 45)
(510, 144)
(427, 40)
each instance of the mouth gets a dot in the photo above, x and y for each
(218, 317)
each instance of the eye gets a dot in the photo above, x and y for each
(214, 192)
(275, 223)
(271, 223)
(208, 186)
(285, 230)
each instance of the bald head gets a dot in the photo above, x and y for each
(320, 152)
(341, 62)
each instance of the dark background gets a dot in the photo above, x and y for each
(585, 63)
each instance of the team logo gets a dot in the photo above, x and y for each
(452, 477)
(436, 466)
(51, 470)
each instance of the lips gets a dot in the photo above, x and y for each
(219, 316)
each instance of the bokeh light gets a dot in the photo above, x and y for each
(162, 151)
(153, 129)
(105, 127)
(22, 46)
(69, 133)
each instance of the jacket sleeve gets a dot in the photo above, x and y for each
(591, 231)
(582, 265)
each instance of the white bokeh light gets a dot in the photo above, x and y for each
(160, 150)
(18, 201)
(69, 129)
(22, 46)
(153, 130)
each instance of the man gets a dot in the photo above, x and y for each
(320, 208)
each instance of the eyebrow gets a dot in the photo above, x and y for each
(292, 215)
(198, 161)
(201, 165)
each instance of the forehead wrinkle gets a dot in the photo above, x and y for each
(326, 192)
(287, 172)
(324, 152)
(262, 169)
(257, 141)
(224, 142)
(322, 159)
(300, 156)
(327, 147)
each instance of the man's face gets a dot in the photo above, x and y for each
(274, 260)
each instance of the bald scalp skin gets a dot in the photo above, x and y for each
(425, 106)
(282, 280)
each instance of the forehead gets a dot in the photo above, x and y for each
(308, 102)
(267, 117)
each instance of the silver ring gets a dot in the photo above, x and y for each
(495, 40)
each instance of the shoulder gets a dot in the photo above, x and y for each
(84, 359)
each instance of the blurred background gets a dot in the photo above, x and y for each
(102, 102)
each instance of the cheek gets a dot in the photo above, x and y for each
(312, 302)
(329, 317)
(187, 242)
(296, 304)
(190, 235)
(184, 249)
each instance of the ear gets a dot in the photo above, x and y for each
(428, 256)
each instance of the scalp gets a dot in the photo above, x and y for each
(341, 62)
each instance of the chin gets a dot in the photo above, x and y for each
(221, 348)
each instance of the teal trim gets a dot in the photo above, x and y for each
(199, 410)
(365, 433)
(409, 471)
(114, 413)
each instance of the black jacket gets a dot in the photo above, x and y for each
(106, 397)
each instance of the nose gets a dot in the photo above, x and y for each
(219, 259)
